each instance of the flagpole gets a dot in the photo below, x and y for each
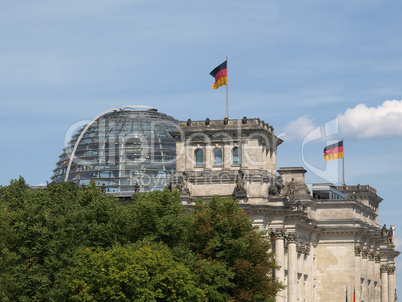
(343, 164)
(227, 89)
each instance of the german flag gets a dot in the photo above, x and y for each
(334, 151)
(220, 74)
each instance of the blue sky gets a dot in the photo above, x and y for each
(295, 64)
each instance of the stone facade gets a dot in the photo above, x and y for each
(326, 238)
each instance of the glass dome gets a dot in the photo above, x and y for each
(123, 149)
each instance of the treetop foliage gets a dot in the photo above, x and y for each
(69, 243)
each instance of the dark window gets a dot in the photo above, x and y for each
(199, 157)
(236, 155)
(218, 155)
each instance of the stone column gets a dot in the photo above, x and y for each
(364, 266)
(377, 276)
(309, 270)
(384, 283)
(302, 250)
(391, 283)
(279, 235)
(371, 294)
(358, 251)
(292, 267)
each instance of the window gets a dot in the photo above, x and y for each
(199, 157)
(236, 156)
(218, 157)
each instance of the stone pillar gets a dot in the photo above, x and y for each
(358, 250)
(384, 283)
(364, 266)
(309, 270)
(377, 276)
(391, 283)
(279, 235)
(292, 267)
(371, 292)
(302, 250)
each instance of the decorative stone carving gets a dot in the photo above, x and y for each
(302, 248)
(358, 250)
(371, 256)
(384, 268)
(182, 184)
(391, 235)
(291, 190)
(136, 188)
(276, 187)
(377, 257)
(364, 253)
(391, 270)
(384, 231)
(273, 190)
(292, 236)
(240, 192)
(278, 233)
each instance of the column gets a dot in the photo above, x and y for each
(301, 249)
(384, 283)
(309, 271)
(371, 277)
(391, 283)
(377, 274)
(292, 267)
(279, 235)
(358, 251)
(364, 270)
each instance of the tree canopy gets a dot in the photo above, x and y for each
(69, 243)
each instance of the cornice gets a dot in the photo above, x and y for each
(328, 203)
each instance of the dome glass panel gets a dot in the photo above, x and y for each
(121, 149)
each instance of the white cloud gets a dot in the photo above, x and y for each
(361, 121)
(366, 122)
(298, 129)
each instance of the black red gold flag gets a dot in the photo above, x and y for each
(220, 74)
(334, 151)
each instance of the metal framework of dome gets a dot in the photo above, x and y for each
(121, 149)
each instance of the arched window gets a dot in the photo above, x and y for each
(218, 155)
(199, 157)
(236, 156)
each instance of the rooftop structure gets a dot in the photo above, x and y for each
(125, 149)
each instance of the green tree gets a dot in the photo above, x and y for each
(42, 229)
(142, 272)
(45, 235)
(223, 233)
(159, 216)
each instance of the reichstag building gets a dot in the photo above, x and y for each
(326, 239)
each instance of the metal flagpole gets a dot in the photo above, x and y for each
(227, 89)
(343, 164)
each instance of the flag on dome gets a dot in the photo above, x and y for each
(334, 151)
(220, 74)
